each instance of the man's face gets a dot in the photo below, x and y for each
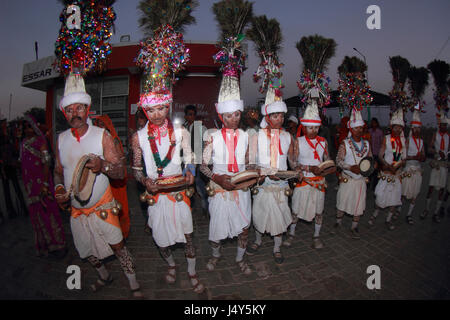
(373, 124)
(27, 129)
(276, 119)
(231, 119)
(157, 114)
(141, 121)
(397, 130)
(312, 131)
(357, 132)
(443, 127)
(76, 115)
(190, 116)
(292, 127)
(416, 131)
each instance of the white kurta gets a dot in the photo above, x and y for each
(271, 212)
(230, 211)
(438, 177)
(412, 174)
(308, 201)
(91, 235)
(170, 221)
(351, 196)
(388, 194)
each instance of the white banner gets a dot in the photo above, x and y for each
(39, 70)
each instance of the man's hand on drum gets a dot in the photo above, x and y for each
(95, 163)
(223, 180)
(151, 186)
(355, 169)
(315, 170)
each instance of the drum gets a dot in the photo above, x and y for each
(245, 179)
(286, 175)
(366, 166)
(327, 167)
(83, 180)
(171, 183)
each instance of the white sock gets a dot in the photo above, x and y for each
(170, 261)
(216, 252)
(191, 266)
(317, 229)
(132, 280)
(428, 203)
(258, 240)
(375, 213)
(438, 206)
(354, 224)
(240, 254)
(103, 272)
(292, 229)
(389, 216)
(277, 243)
(411, 207)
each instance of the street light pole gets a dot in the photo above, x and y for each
(364, 57)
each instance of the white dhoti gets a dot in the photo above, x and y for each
(92, 236)
(169, 221)
(388, 192)
(230, 213)
(411, 182)
(351, 196)
(271, 212)
(307, 201)
(438, 177)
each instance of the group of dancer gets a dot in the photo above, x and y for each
(162, 151)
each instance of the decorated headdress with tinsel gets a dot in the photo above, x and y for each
(266, 34)
(353, 89)
(399, 99)
(440, 71)
(163, 53)
(442, 117)
(418, 81)
(316, 52)
(416, 122)
(232, 17)
(83, 44)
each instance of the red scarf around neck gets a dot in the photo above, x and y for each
(442, 146)
(231, 146)
(418, 145)
(319, 140)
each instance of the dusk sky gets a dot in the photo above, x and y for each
(416, 30)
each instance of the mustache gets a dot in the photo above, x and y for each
(75, 118)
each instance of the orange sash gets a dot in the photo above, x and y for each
(315, 182)
(107, 197)
(172, 198)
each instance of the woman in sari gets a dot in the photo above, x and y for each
(43, 209)
(118, 187)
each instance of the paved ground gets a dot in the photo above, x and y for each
(414, 262)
